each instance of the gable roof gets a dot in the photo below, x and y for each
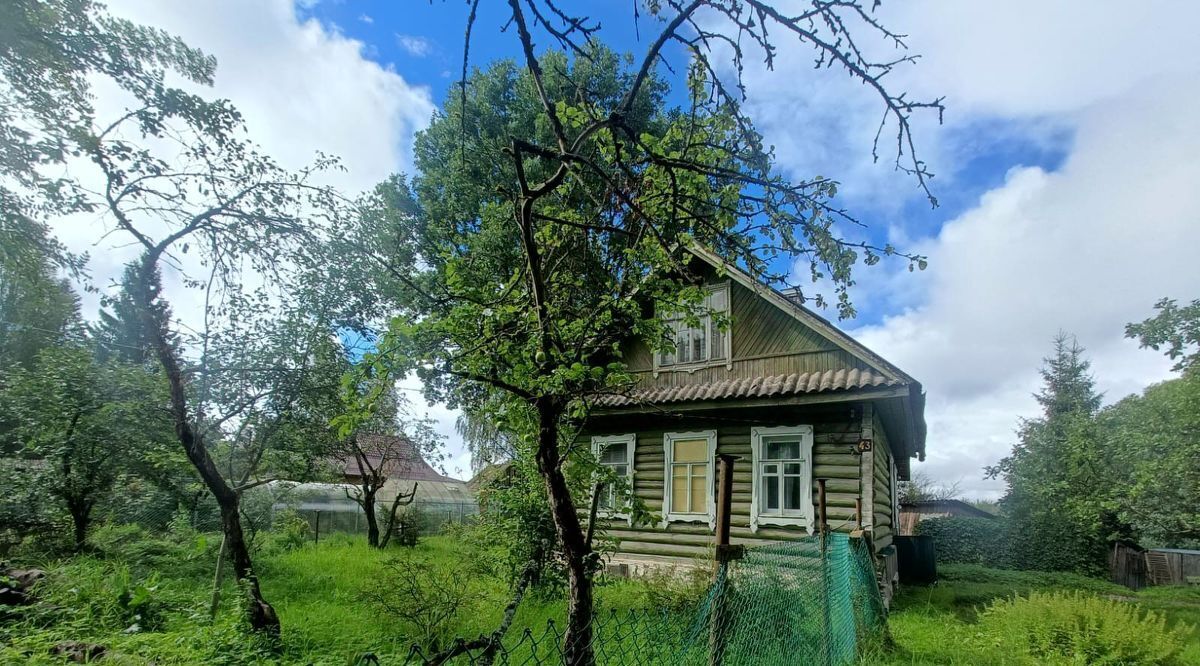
(398, 455)
(807, 317)
(838, 368)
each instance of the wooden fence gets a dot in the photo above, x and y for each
(1136, 568)
(1127, 566)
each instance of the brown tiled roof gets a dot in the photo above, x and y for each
(753, 387)
(397, 454)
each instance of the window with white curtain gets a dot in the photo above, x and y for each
(688, 491)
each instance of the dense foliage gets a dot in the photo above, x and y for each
(1051, 474)
(1073, 628)
(968, 540)
(1082, 476)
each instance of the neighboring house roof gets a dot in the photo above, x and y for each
(951, 506)
(398, 456)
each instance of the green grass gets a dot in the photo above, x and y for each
(940, 624)
(316, 589)
(164, 586)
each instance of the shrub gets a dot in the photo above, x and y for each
(289, 531)
(967, 540)
(677, 590)
(428, 598)
(1078, 628)
(411, 522)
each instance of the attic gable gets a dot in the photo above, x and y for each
(810, 324)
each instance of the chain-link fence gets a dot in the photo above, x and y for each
(806, 602)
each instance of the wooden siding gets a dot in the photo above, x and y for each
(835, 435)
(765, 341)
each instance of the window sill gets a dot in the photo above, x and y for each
(692, 367)
(689, 518)
(780, 521)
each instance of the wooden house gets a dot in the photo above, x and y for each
(793, 397)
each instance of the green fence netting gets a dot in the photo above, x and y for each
(813, 601)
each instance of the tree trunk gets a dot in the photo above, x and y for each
(577, 642)
(401, 499)
(368, 505)
(81, 517)
(261, 615)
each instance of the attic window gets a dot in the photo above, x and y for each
(704, 343)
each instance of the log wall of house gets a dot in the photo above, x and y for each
(835, 435)
(883, 520)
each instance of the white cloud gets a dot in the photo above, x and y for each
(457, 462)
(302, 86)
(1018, 67)
(418, 47)
(1084, 249)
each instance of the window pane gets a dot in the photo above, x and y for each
(666, 358)
(606, 497)
(783, 450)
(690, 450)
(770, 469)
(613, 453)
(791, 492)
(679, 488)
(683, 345)
(792, 468)
(718, 300)
(699, 489)
(718, 343)
(699, 350)
(620, 470)
(771, 493)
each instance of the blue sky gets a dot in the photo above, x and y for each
(1066, 169)
(424, 42)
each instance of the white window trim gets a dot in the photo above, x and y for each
(710, 501)
(630, 442)
(727, 341)
(757, 435)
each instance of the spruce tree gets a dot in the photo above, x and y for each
(1057, 515)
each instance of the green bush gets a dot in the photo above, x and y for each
(289, 531)
(967, 540)
(1079, 628)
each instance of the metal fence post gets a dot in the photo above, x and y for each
(317, 531)
(826, 617)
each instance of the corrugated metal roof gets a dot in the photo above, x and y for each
(752, 387)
